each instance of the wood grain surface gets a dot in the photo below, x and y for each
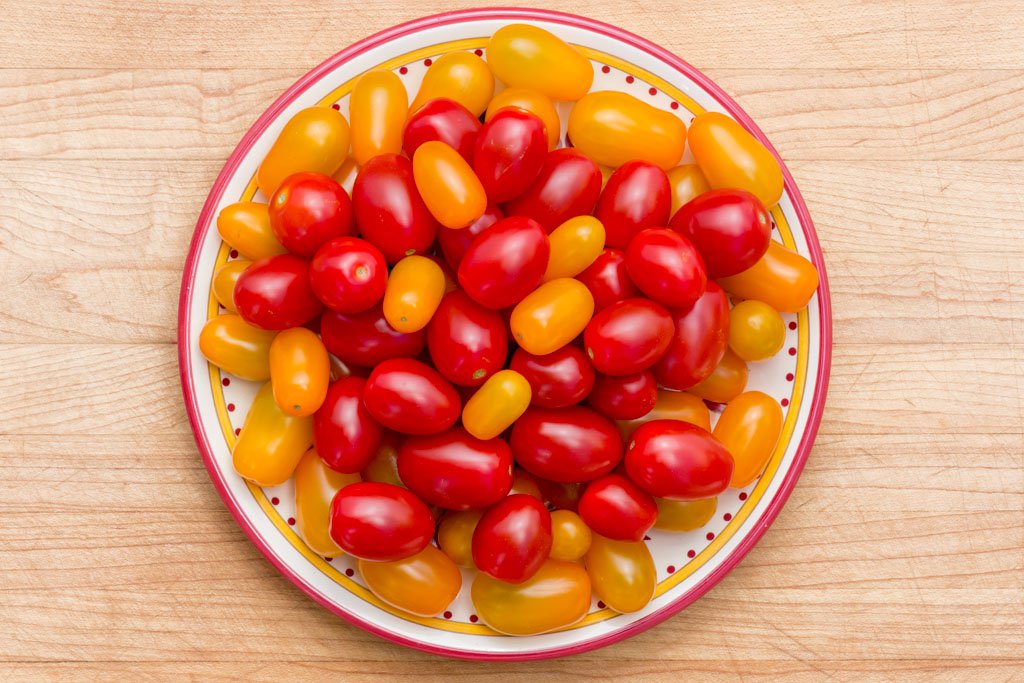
(900, 554)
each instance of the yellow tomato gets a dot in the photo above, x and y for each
(414, 291)
(671, 405)
(383, 467)
(527, 56)
(271, 442)
(726, 381)
(685, 183)
(448, 185)
(614, 127)
(237, 347)
(558, 595)
(570, 536)
(621, 572)
(246, 227)
(783, 279)
(459, 76)
(552, 316)
(523, 482)
(534, 102)
(749, 428)
(756, 330)
(378, 108)
(684, 515)
(315, 139)
(455, 535)
(346, 174)
(424, 584)
(315, 486)
(300, 371)
(224, 279)
(574, 246)
(496, 405)
(729, 156)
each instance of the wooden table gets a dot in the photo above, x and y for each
(899, 554)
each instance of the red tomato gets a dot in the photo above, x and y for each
(389, 210)
(275, 294)
(666, 267)
(468, 343)
(702, 335)
(510, 152)
(513, 539)
(635, 198)
(560, 495)
(627, 397)
(344, 434)
(566, 445)
(380, 522)
(568, 185)
(628, 336)
(348, 274)
(730, 228)
(608, 280)
(455, 470)
(505, 263)
(308, 210)
(677, 460)
(455, 241)
(616, 508)
(445, 120)
(366, 339)
(411, 397)
(557, 380)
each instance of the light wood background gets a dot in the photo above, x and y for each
(900, 554)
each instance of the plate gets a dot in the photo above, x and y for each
(688, 564)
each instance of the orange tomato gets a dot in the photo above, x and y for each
(523, 482)
(378, 108)
(271, 442)
(621, 572)
(455, 535)
(756, 330)
(671, 405)
(459, 76)
(558, 595)
(237, 347)
(783, 279)
(534, 102)
(224, 279)
(414, 291)
(315, 486)
(684, 515)
(570, 536)
(749, 428)
(521, 55)
(614, 127)
(496, 405)
(686, 182)
(575, 244)
(729, 156)
(300, 371)
(383, 467)
(448, 185)
(552, 316)
(315, 139)
(424, 584)
(246, 227)
(726, 381)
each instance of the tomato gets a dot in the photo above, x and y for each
(389, 210)
(566, 445)
(456, 470)
(685, 182)
(275, 293)
(315, 488)
(730, 228)
(315, 139)
(423, 584)
(557, 596)
(677, 515)
(749, 428)
(455, 535)
(557, 380)
(377, 109)
(346, 173)
(383, 466)
(622, 573)
(608, 280)
(567, 186)
(628, 336)
(308, 210)
(224, 280)
(625, 397)
(348, 274)
(411, 397)
(614, 128)
(237, 347)
(783, 279)
(561, 495)
(444, 120)
(677, 460)
(450, 189)
(365, 339)
(497, 404)
(459, 76)
(575, 244)
(726, 381)
(666, 267)
(510, 152)
(522, 482)
(636, 197)
(246, 227)
(468, 343)
(271, 442)
(729, 156)
(413, 293)
(505, 263)
(756, 330)
(346, 436)
(671, 405)
(455, 242)
(534, 102)
(299, 371)
(700, 341)
(380, 522)
(552, 315)
(522, 55)
(570, 536)
(513, 539)
(616, 508)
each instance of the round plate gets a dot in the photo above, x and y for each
(688, 564)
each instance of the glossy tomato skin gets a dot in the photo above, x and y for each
(552, 315)
(685, 183)
(496, 405)
(308, 210)
(560, 495)
(608, 279)
(521, 55)
(345, 435)
(414, 291)
(622, 573)
(271, 442)
(666, 267)
(448, 185)
(411, 397)
(701, 337)
(628, 336)
(510, 152)
(726, 381)
(459, 76)
(558, 595)
(513, 539)
(568, 185)
(468, 342)
(749, 428)
(536, 103)
(365, 339)
(246, 227)
(455, 241)
(423, 584)
(234, 345)
(566, 445)
(315, 488)
(348, 274)
(380, 522)
(570, 536)
(729, 156)
(377, 109)
(383, 466)
(730, 228)
(671, 405)
(575, 245)
(455, 470)
(300, 371)
(756, 330)
(616, 508)
(444, 120)
(636, 197)
(782, 278)
(505, 263)
(557, 380)
(614, 128)
(625, 397)
(275, 293)
(678, 461)
(224, 279)
(315, 139)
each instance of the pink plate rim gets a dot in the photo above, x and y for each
(510, 13)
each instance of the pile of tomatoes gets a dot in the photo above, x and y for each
(495, 353)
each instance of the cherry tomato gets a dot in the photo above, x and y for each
(411, 397)
(456, 470)
(729, 156)
(570, 536)
(666, 267)
(575, 244)
(271, 442)
(557, 596)
(510, 152)
(275, 293)
(522, 55)
(459, 76)
(348, 274)
(450, 189)
(552, 315)
(346, 436)
(455, 242)
(677, 460)
(444, 120)
(677, 515)
(424, 584)
(315, 488)
(561, 495)
(614, 128)
(700, 341)
(315, 139)
(389, 210)
(513, 539)
(636, 197)
(616, 508)
(534, 102)
(383, 466)
(468, 343)
(346, 173)
(237, 347)
(455, 535)
(628, 336)
(413, 293)
(749, 428)
(608, 280)
(365, 339)
(299, 371)
(505, 263)
(726, 381)
(567, 186)
(783, 279)
(378, 108)
(557, 380)
(380, 522)
(523, 482)
(566, 445)
(671, 405)
(622, 573)
(625, 397)
(308, 210)
(246, 227)
(756, 330)
(497, 404)
(730, 228)
(686, 182)
(224, 280)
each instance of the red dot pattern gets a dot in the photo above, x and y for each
(428, 61)
(291, 521)
(652, 91)
(710, 536)
(674, 105)
(792, 325)
(629, 79)
(233, 253)
(478, 52)
(600, 605)
(727, 516)
(789, 376)
(605, 69)
(275, 500)
(792, 350)
(448, 615)
(238, 430)
(691, 554)
(473, 618)
(784, 402)
(670, 569)
(226, 382)
(743, 495)
(403, 70)
(231, 407)
(336, 107)
(349, 572)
